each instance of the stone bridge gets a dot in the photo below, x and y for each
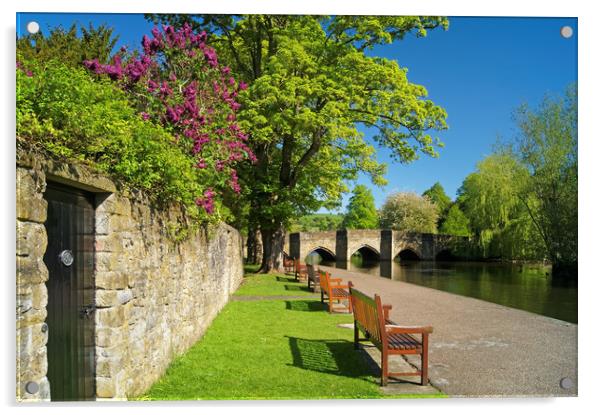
(375, 244)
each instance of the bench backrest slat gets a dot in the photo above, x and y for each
(324, 280)
(366, 313)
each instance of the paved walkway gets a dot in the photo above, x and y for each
(480, 348)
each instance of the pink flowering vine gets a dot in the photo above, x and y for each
(176, 81)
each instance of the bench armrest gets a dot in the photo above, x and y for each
(394, 328)
(336, 280)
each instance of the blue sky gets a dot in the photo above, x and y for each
(479, 70)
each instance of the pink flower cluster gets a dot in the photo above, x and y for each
(177, 82)
(23, 69)
(207, 202)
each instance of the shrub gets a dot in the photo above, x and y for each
(63, 111)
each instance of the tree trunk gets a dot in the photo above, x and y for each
(273, 246)
(254, 246)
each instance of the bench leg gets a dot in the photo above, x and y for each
(322, 296)
(384, 379)
(425, 359)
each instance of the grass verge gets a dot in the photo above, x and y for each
(270, 284)
(271, 349)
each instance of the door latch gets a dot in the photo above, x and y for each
(87, 310)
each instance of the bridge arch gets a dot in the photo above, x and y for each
(445, 254)
(368, 252)
(409, 254)
(324, 253)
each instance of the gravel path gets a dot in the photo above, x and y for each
(480, 348)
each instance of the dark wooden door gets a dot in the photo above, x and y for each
(70, 261)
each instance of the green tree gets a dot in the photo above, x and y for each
(547, 148)
(490, 198)
(438, 196)
(522, 200)
(455, 222)
(361, 212)
(317, 222)
(311, 84)
(409, 212)
(67, 46)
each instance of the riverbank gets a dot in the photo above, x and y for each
(480, 348)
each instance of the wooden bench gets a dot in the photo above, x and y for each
(372, 319)
(289, 264)
(313, 278)
(300, 271)
(334, 290)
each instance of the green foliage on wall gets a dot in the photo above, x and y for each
(62, 111)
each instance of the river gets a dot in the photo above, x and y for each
(525, 287)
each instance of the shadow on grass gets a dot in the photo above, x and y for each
(302, 305)
(285, 279)
(335, 357)
(251, 268)
(300, 288)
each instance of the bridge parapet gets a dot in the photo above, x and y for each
(384, 243)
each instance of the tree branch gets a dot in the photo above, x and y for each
(316, 142)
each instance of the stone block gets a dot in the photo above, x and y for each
(34, 365)
(31, 270)
(108, 337)
(110, 298)
(111, 242)
(110, 317)
(31, 206)
(105, 387)
(111, 280)
(109, 367)
(31, 317)
(110, 261)
(31, 239)
(39, 294)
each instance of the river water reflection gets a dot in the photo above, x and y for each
(525, 287)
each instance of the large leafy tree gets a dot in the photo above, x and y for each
(522, 200)
(361, 211)
(311, 84)
(547, 148)
(491, 199)
(409, 212)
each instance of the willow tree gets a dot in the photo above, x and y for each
(311, 85)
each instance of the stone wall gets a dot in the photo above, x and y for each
(155, 297)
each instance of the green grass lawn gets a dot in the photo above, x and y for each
(270, 284)
(270, 349)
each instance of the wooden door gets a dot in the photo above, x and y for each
(70, 262)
